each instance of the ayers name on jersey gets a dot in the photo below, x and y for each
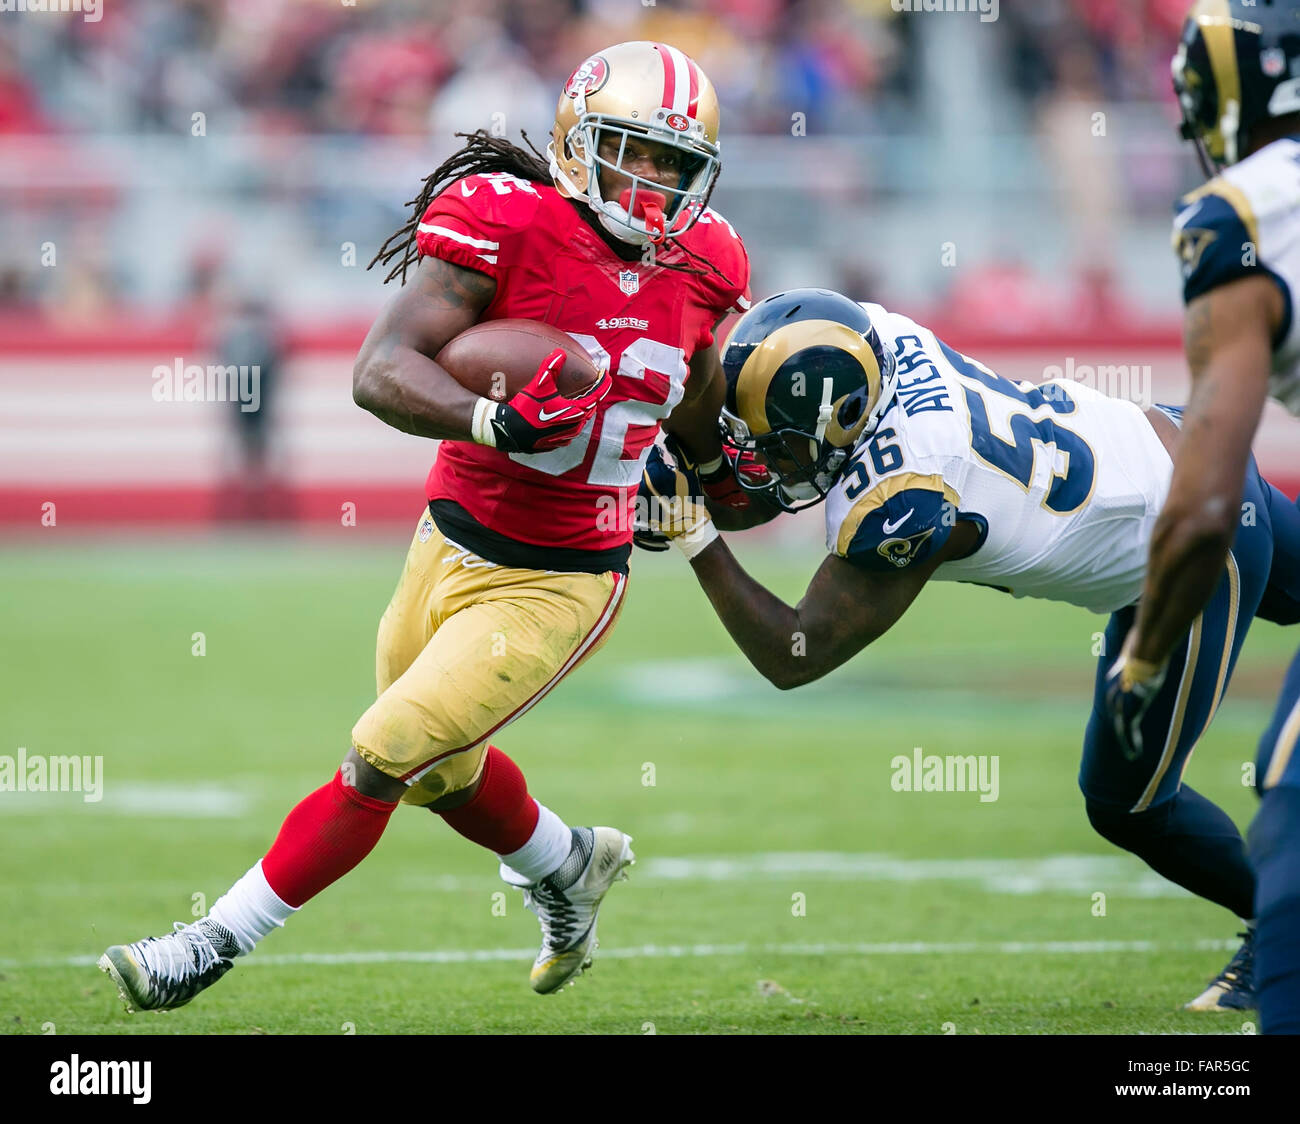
(1247, 221)
(1064, 483)
(642, 321)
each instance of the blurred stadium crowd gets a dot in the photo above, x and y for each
(384, 67)
(323, 115)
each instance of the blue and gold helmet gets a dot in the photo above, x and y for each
(1237, 65)
(807, 379)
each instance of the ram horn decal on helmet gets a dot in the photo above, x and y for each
(807, 380)
(1237, 65)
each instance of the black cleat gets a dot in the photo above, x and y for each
(1233, 989)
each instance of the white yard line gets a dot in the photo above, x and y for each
(172, 800)
(1118, 875)
(697, 951)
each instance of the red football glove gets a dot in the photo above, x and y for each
(722, 486)
(539, 418)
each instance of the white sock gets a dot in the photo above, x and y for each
(250, 909)
(543, 854)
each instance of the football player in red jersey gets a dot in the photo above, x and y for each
(517, 569)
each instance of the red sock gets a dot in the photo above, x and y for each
(502, 816)
(323, 838)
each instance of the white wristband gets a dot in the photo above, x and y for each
(481, 427)
(696, 539)
(710, 468)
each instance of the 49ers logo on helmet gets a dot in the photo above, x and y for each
(588, 78)
(678, 121)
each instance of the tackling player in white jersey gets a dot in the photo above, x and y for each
(931, 466)
(1237, 76)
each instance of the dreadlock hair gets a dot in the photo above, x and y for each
(484, 154)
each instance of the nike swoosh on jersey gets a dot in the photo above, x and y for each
(466, 190)
(890, 528)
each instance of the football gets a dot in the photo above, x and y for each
(498, 358)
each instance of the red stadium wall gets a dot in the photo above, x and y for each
(80, 427)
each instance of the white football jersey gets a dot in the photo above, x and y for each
(1064, 483)
(1246, 221)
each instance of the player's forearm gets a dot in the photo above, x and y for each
(1227, 336)
(694, 423)
(767, 630)
(1194, 532)
(410, 392)
(1187, 558)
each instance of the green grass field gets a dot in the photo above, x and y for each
(783, 886)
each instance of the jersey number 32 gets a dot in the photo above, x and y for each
(610, 467)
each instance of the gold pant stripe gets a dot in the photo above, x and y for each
(1234, 602)
(1286, 742)
(592, 638)
(1180, 711)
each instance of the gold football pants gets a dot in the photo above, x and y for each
(466, 647)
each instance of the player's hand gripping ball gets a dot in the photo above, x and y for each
(537, 385)
(539, 418)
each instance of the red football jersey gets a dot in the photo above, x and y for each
(642, 321)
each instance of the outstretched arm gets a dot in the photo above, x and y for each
(844, 610)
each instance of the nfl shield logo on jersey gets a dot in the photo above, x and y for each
(629, 282)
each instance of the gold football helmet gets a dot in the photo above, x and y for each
(639, 89)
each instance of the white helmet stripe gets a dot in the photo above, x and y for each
(824, 410)
(677, 83)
